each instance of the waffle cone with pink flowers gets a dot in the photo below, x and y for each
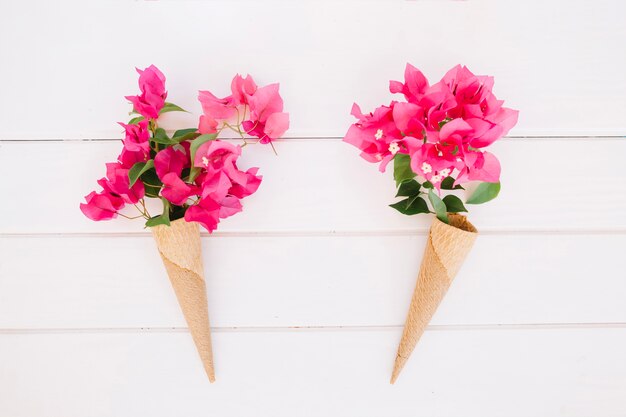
(447, 247)
(181, 251)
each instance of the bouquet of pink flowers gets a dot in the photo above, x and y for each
(436, 139)
(193, 173)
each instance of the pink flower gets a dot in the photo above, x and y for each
(228, 206)
(374, 135)
(175, 190)
(249, 186)
(137, 137)
(262, 109)
(414, 87)
(206, 212)
(129, 158)
(479, 166)
(101, 206)
(173, 159)
(264, 102)
(153, 94)
(216, 155)
(242, 89)
(217, 108)
(118, 182)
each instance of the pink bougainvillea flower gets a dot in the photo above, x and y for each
(242, 89)
(258, 110)
(215, 185)
(276, 125)
(376, 135)
(207, 125)
(414, 87)
(137, 137)
(228, 206)
(216, 155)
(173, 159)
(249, 186)
(217, 108)
(175, 190)
(152, 98)
(119, 183)
(264, 102)
(101, 206)
(129, 158)
(206, 212)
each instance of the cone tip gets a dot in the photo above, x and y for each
(397, 368)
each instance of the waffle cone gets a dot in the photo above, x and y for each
(447, 247)
(181, 251)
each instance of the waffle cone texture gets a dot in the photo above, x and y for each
(181, 251)
(446, 249)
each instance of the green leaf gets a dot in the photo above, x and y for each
(160, 136)
(185, 134)
(412, 205)
(185, 137)
(438, 205)
(485, 191)
(402, 168)
(168, 107)
(409, 189)
(428, 184)
(139, 168)
(135, 120)
(448, 184)
(454, 204)
(162, 218)
(156, 220)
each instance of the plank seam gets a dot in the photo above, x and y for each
(326, 233)
(263, 329)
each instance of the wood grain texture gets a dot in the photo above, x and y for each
(322, 185)
(557, 61)
(571, 372)
(309, 286)
(119, 282)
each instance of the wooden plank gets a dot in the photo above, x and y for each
(323, 185)
(555, 61)
(98, 282)
(513, 373)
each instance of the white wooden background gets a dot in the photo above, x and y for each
(308, 288)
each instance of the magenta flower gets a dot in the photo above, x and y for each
(443, 127)
(101, 206)
(153, 94)
(172, 160)
(206, 189)
(118, 182)
(206, 212)
(175, 190)
(137, 137)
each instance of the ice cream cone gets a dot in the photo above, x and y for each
(446, 249)
(181, 251)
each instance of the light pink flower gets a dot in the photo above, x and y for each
(153, 94)
(242, 89)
